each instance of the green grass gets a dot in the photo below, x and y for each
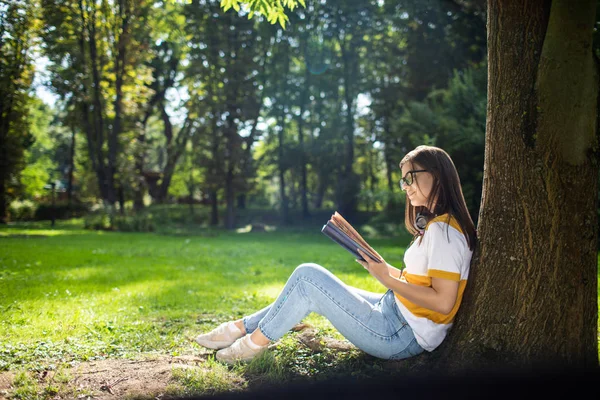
(69, 294)
(213, 377)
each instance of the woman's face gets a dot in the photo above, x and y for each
(417, 194)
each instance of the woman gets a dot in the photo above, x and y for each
(419, 306)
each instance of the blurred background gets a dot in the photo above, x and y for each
(134, 115)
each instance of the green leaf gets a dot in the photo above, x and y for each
(226, 4)
(282, 19)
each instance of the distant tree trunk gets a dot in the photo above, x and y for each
(229, 156)
(372, 180)
(320, 194)
(303, 179)
(241, 201)
(104, 171)
(349, 180)
(532, 295)
(285, 218)
(3, 205)
(215, 170)
(71, 167)
(390, 165)
(350, 65)
(121, 194)
(117, 128)
(303, 172)
(293, 197)
(284, 210)
(214, 209)
(191, 189)
(229, 198)
(175, 145)
(138, 190)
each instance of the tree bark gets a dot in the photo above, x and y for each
(284, 200)
(174, 150)
(214, 214)
(303, 171)
(320, 194)
(103, 171)
(389, 165)
(71, 167)
(532, 291)
(214, 208)
(115, 132)
(285, 218)
(90, 132)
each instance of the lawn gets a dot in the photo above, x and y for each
(70, 296)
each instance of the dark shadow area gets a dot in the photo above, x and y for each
(493, 383)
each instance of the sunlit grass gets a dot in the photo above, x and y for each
(69, 294)
(72, 294)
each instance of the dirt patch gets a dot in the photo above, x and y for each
(6, 379)
(109, 379)
(147, 377)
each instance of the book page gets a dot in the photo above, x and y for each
(341, 223)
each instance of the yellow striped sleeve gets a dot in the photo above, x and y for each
(438, 273)
(431, 315)
(415, 279)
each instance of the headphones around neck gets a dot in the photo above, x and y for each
(422, 219)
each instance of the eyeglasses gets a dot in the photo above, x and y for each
(409, 178)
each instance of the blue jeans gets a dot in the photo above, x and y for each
(370, 321)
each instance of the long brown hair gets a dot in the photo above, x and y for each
(446, 188)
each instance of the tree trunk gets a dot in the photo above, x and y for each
(350, 64)
(214, 209)
(303, 171)
(285, 219)
(229, 191)
(215, 169)
(104, 172)
(283, 198)
(139, 157)
(532, 292)
(320, 192)
(191, 190)
(115, 132)
(175, 145)
(121, 194)
(71, 167)
(241, 201)
(389, 165)
(3, 205)
(349, 185)
(91, 133)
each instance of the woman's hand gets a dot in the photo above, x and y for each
(379, 270)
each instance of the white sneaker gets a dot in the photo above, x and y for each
(240, 350)
(220, 337)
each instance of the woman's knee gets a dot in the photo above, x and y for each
(309, 269)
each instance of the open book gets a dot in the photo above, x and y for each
(341, 232)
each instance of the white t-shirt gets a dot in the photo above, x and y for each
(442, 253)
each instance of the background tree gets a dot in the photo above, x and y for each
(18, 37)
(97, 66)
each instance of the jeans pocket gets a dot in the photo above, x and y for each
(413, 349)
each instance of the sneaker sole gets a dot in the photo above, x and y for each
(236, 360)
(212, 344)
